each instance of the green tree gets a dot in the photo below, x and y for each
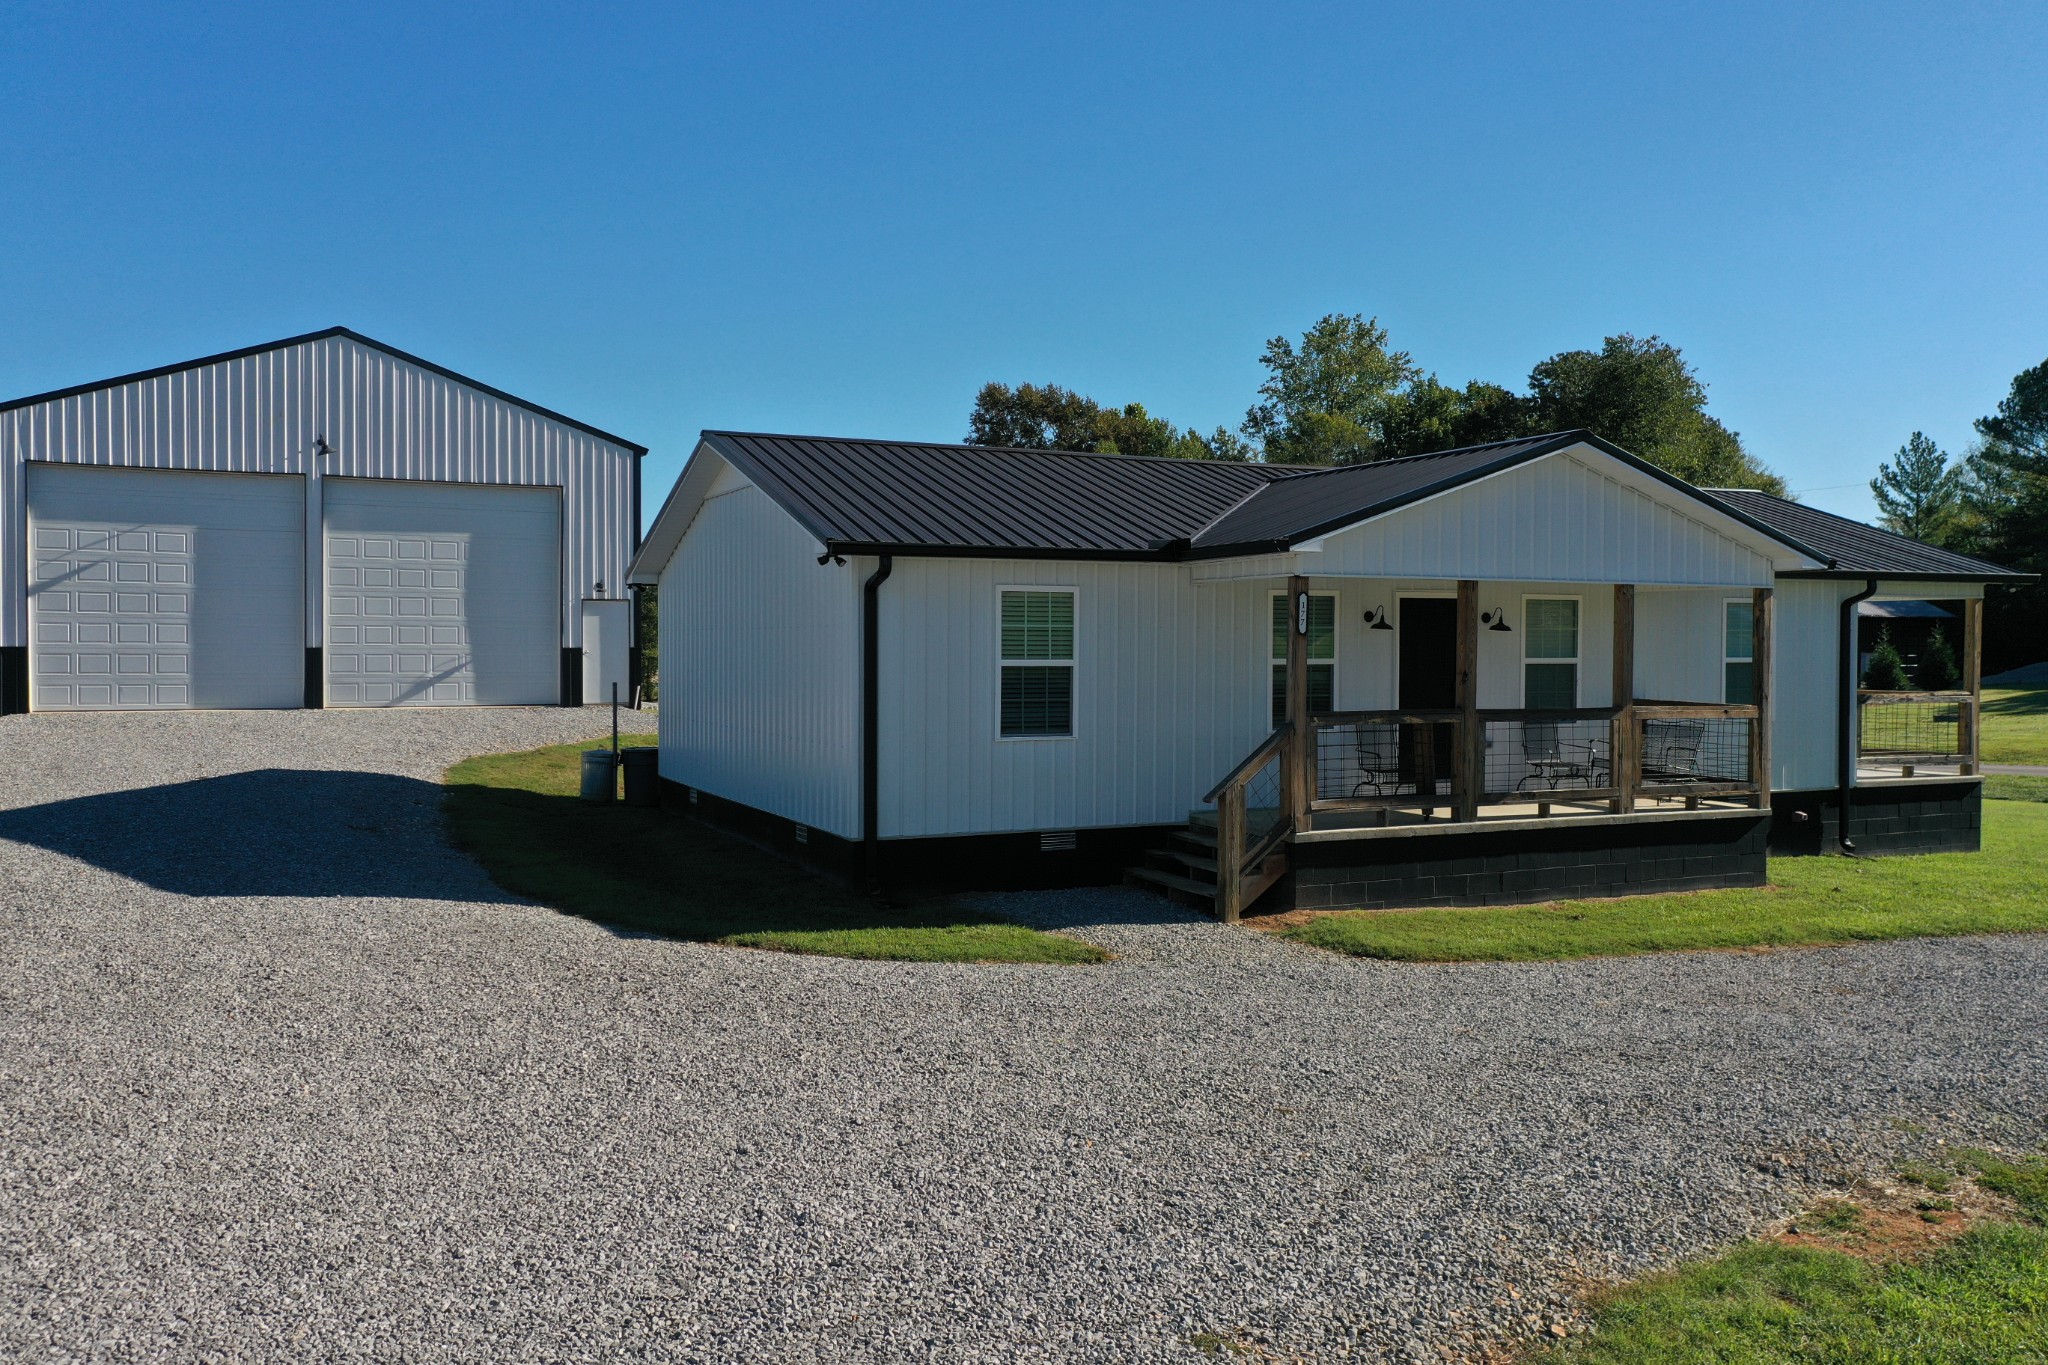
(2008, 498)
(1938, 668)
(1327, 400)
(1034, 416)
(1920, 494)
(1640, 394)
(1048, 417)
(1429, 415)
(647, 633)
(1886, 671)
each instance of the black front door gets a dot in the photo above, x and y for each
(1429, 682)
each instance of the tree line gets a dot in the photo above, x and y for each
(1343, 394)
(1991, 502)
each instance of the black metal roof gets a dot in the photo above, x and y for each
(392, 351)
(1324, 500)
(1855, 550)
(913, 497)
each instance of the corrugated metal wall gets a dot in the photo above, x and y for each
(760, 665)
(1554, 519)
(384, 418)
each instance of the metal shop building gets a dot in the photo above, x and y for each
(319, 521)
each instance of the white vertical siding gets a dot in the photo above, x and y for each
(1170, 688)
(385, 419)
(1679, 658)
(1557, 519)
(1169, 692)
(1806, 682)
(760, 665)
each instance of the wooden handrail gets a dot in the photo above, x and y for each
(1252, 760)
(1436, 717)
(1693, 710)
(1883, 694)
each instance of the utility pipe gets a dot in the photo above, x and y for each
(870, 723)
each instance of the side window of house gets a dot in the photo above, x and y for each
(1037, 664)
(1550, 653)
(1738, 658)
(1322, 654)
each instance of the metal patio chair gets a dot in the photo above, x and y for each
(1671, 751)
(1556, 763)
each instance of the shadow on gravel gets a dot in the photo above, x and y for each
(272, 832)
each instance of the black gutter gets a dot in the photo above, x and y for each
(1845, 722)
(870, 723)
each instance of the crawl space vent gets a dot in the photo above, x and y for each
(1064, 842)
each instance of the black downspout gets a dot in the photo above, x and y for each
(1845, 734)
(870, 723)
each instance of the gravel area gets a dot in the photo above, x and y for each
(284, 1078)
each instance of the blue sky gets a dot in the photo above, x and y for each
(845, 219)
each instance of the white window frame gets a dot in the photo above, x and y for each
(1749, 658)
(1578, 659)
(1072, 664)
(1266, 630)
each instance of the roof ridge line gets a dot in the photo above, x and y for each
(1006, 450)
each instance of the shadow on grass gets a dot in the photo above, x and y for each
(660, 871)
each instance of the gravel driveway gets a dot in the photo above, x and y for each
(283, 1078)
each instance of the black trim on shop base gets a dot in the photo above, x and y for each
(572, 677)
(13, 680)
(316, 678)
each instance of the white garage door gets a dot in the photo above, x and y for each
(156, 590)
(442, 594)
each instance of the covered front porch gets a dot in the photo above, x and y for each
(1410, 784)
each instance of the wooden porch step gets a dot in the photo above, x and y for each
(1195, 838)
(1194, 861)
(1186, 890)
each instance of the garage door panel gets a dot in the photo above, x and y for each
(159, 589)
(442, 595)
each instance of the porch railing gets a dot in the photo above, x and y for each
(1252, 820)
(1378, 761)
(1901, 728)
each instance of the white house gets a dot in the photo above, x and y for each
(1489, 674)
(319, 521)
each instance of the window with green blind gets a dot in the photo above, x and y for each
(1322, 654)
(1550, 653)
(1037, 664)
(1738, 653)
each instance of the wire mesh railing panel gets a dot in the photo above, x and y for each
(1262, 801)
(1923, 727)
(1364, 760)
(1534, 757)
(1695, 751)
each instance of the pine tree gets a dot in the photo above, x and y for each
(1938, 668)
(1887, 671)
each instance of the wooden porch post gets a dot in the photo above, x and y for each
(1294, 773)
(1622, 756)
(1973, 683)
(1468, 768)
(1760, 668)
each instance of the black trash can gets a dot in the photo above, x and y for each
(643, 775)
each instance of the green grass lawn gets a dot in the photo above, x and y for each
(519, 815)
(1811, 900)
(2015, 726)
(1981, 1299)
(2013, 787)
